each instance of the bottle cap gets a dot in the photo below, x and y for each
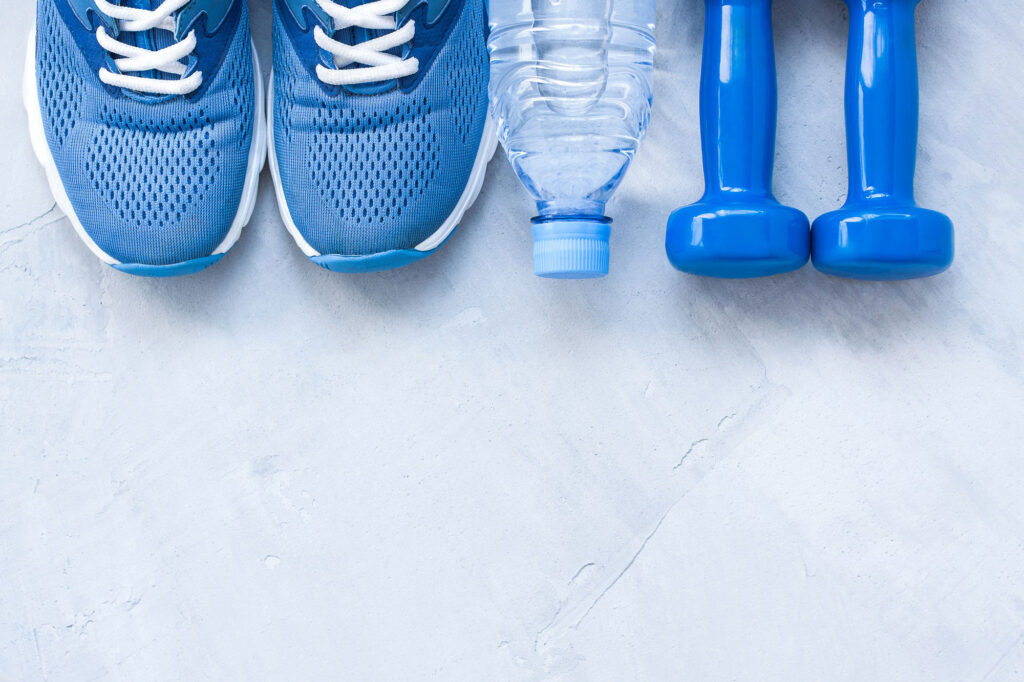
(570, 248)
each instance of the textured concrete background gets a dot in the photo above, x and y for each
(459, 471)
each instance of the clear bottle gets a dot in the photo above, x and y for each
(570, 90)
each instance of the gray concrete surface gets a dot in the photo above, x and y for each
(459, 471)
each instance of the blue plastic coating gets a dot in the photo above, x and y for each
(738, 229)
(881, 233)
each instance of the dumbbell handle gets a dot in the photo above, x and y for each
(881, 100)
(738, 97)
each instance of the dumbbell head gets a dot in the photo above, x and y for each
(879, 243)
(737, 240)
(737, 229)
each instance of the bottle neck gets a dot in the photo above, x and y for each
(580, 209)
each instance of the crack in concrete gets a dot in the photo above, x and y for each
(39, 654)
(629, 565)
(693, 446)
(30, 227)
(27, 223)
(579, 572)
(740, 423)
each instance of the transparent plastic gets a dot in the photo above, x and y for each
(571, 91)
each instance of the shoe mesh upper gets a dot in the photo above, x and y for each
(364, 174)
(60, 90)
(153, 181)
(177, 177)
(395, 151)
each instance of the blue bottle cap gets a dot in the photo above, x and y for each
(570, 248)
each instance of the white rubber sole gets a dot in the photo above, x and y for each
(37, 134)
(488, 146)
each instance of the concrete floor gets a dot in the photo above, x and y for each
(459, 471)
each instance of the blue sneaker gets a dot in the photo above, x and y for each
(380, 136)
(147, 116)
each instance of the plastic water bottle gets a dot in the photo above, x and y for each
(571, 93)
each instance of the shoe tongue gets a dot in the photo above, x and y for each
(154, 39)
(358, 34)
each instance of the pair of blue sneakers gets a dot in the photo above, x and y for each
(150, 119)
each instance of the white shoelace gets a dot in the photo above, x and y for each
(130, 58)
(378, 63)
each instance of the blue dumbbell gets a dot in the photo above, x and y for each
(738, 229)
(881, 233)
